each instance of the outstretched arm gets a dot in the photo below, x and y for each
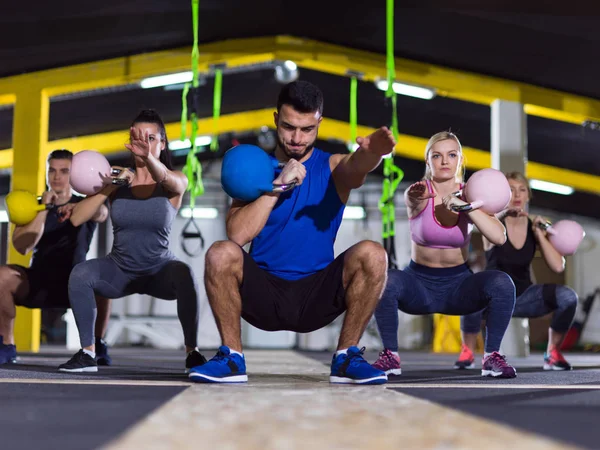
(350, 171)
(174, 181)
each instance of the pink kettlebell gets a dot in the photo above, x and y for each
(87, 169)
(486, 189)
(565, 236)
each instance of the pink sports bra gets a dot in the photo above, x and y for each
(425, 229)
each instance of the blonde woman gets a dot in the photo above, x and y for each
(438, 280)
(514, 258)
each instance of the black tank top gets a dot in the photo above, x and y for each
(515, 262)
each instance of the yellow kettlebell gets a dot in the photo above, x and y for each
(22, 207)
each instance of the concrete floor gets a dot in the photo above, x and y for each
(145, 401)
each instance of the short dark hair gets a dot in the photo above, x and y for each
(151, 116)
(60, 154)
(301, 95)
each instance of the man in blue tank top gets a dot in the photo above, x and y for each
(290, 279)
(56, 246)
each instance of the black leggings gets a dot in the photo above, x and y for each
(173, 281)
(537, 300)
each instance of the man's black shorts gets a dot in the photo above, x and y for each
(308, 304)
(47, 288)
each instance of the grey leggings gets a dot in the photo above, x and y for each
(173, 280)
(537, 300)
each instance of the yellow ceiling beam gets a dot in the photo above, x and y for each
(132, 69)
(6, 158)
(114, 141)
(457, 84)
(329, 58)
(8, 99)
(412, 147)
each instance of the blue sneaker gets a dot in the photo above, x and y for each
(8, 352)
(354, 369)
(224, 367)
(102, 356)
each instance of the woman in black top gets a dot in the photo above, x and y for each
(514, 258)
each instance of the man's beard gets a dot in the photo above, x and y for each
(296, 156)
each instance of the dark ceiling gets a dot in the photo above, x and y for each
(543, 48)
(546, 47)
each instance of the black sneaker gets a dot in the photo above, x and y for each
(80, 362)
(194, 359)
(102, 356)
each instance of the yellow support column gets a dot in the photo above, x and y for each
(446, 334)
(30, 141)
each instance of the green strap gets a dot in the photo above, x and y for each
(353, 111)
(195, 82)
(389, 36)
(195, 50)
(392, 174)
(192, 168)
(214, 143)
(184, 111)
(395, 116)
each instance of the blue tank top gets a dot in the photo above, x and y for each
(298, 238)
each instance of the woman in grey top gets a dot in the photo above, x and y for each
(140, 260)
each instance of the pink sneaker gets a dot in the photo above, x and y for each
(495, 365)
(466, 360)
(388, 363)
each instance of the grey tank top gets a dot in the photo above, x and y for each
(141, 229)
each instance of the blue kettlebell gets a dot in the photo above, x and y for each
(248, 172)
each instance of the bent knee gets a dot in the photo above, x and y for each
(370, 253)
(181, 271)
(566, 296)
(222, 255)
(81, 274)
(11, 279)
(496, 279)
(396, 283)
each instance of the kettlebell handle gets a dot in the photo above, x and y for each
(45, 205)
(547, 227)
(118, 181)
(282, 187)
(465, 208)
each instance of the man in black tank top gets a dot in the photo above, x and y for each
(56, 246)
(533, 300)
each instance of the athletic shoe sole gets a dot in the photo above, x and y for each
(464, 366)
(79, 370)
(344, 380)
(553, 367)
(202, 378)
(491, 373)
(10, 361)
